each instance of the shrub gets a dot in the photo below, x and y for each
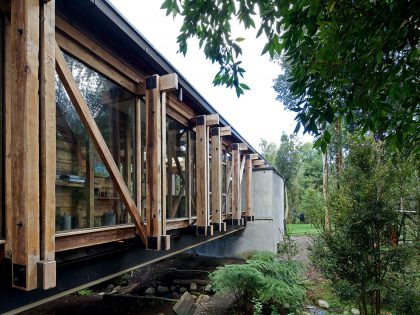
(263, 278)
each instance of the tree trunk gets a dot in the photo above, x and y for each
(339, 147)
(418, 206)
(325, 191)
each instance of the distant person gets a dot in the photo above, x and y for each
(302, 217)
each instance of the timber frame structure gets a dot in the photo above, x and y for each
(105, 149)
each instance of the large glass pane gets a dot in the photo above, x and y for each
(85, 193)
(176, 150)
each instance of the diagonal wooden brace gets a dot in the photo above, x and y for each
(89, 123)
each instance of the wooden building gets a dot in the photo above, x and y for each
(110, 159)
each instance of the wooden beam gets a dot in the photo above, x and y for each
(88, 121)
(236, 186)
(216, 180)
(169, 82)
(254, 156)
(212, 119)
(163, 159)
(139, 158)
(202, 176)
(153, 163)
(47, 144)
(8, 137)
(225, 131)
(248, 188)
(25, 143)
(98, 50)
(243, 146)
(258, 162)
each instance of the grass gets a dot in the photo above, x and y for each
(302, 229)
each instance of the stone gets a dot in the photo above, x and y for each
(355, 311)
(208, 288)
(110, 287)
(182, 290)
(162, 289)
(184, 305)
(173, 288)
(193, 286)
(116, 289)
(101, 293)
(202, 298)
(150, 291)
(323, 304)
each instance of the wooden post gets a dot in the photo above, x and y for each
(25, 143)
(216, 174)
(163, 159)
(203, 227)
(248, 188)
(153, 163)
(155, 158)
(139, 157)
(47, 265)
(236, 187)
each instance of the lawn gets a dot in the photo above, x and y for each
(302, 229)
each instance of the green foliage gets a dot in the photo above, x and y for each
(268, 151)
(355, 60)
(85, 292)
(312, 205)
(288, 247)
(358, 254)
(263, 278)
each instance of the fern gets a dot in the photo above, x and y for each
(264, 278)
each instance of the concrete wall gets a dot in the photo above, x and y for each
(266, 231)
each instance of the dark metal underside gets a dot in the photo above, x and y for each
(77, 274)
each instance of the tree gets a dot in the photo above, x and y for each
(358, 254)
(268, 151)
(355, 60)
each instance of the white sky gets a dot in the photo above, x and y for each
(254, 115)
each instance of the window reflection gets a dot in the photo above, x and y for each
(86, 196)
(176, 150)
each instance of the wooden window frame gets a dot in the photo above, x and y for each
(90, 53)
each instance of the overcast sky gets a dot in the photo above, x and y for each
(254, 115)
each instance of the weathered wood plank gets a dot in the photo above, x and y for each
(236, 192)
(101, 146)
(202, 175)
(47, 143)
(216, 178)
(153, 163)
(163, 159)
(248, 186)
(139, 153)
(168, 82)
(25, 142)
(225, 131)
(258, 162)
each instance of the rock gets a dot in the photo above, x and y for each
(162, 289)
(116, 289)
(150, 291)
(193, 286)
(355, 311)
(110, 287)
(323, 304)
(208, 288)
(173, 288)
(101, 293)
(202, 298)
(184, 305)
(182, 290)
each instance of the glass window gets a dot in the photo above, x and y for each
(176, 150)
(86, 196)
